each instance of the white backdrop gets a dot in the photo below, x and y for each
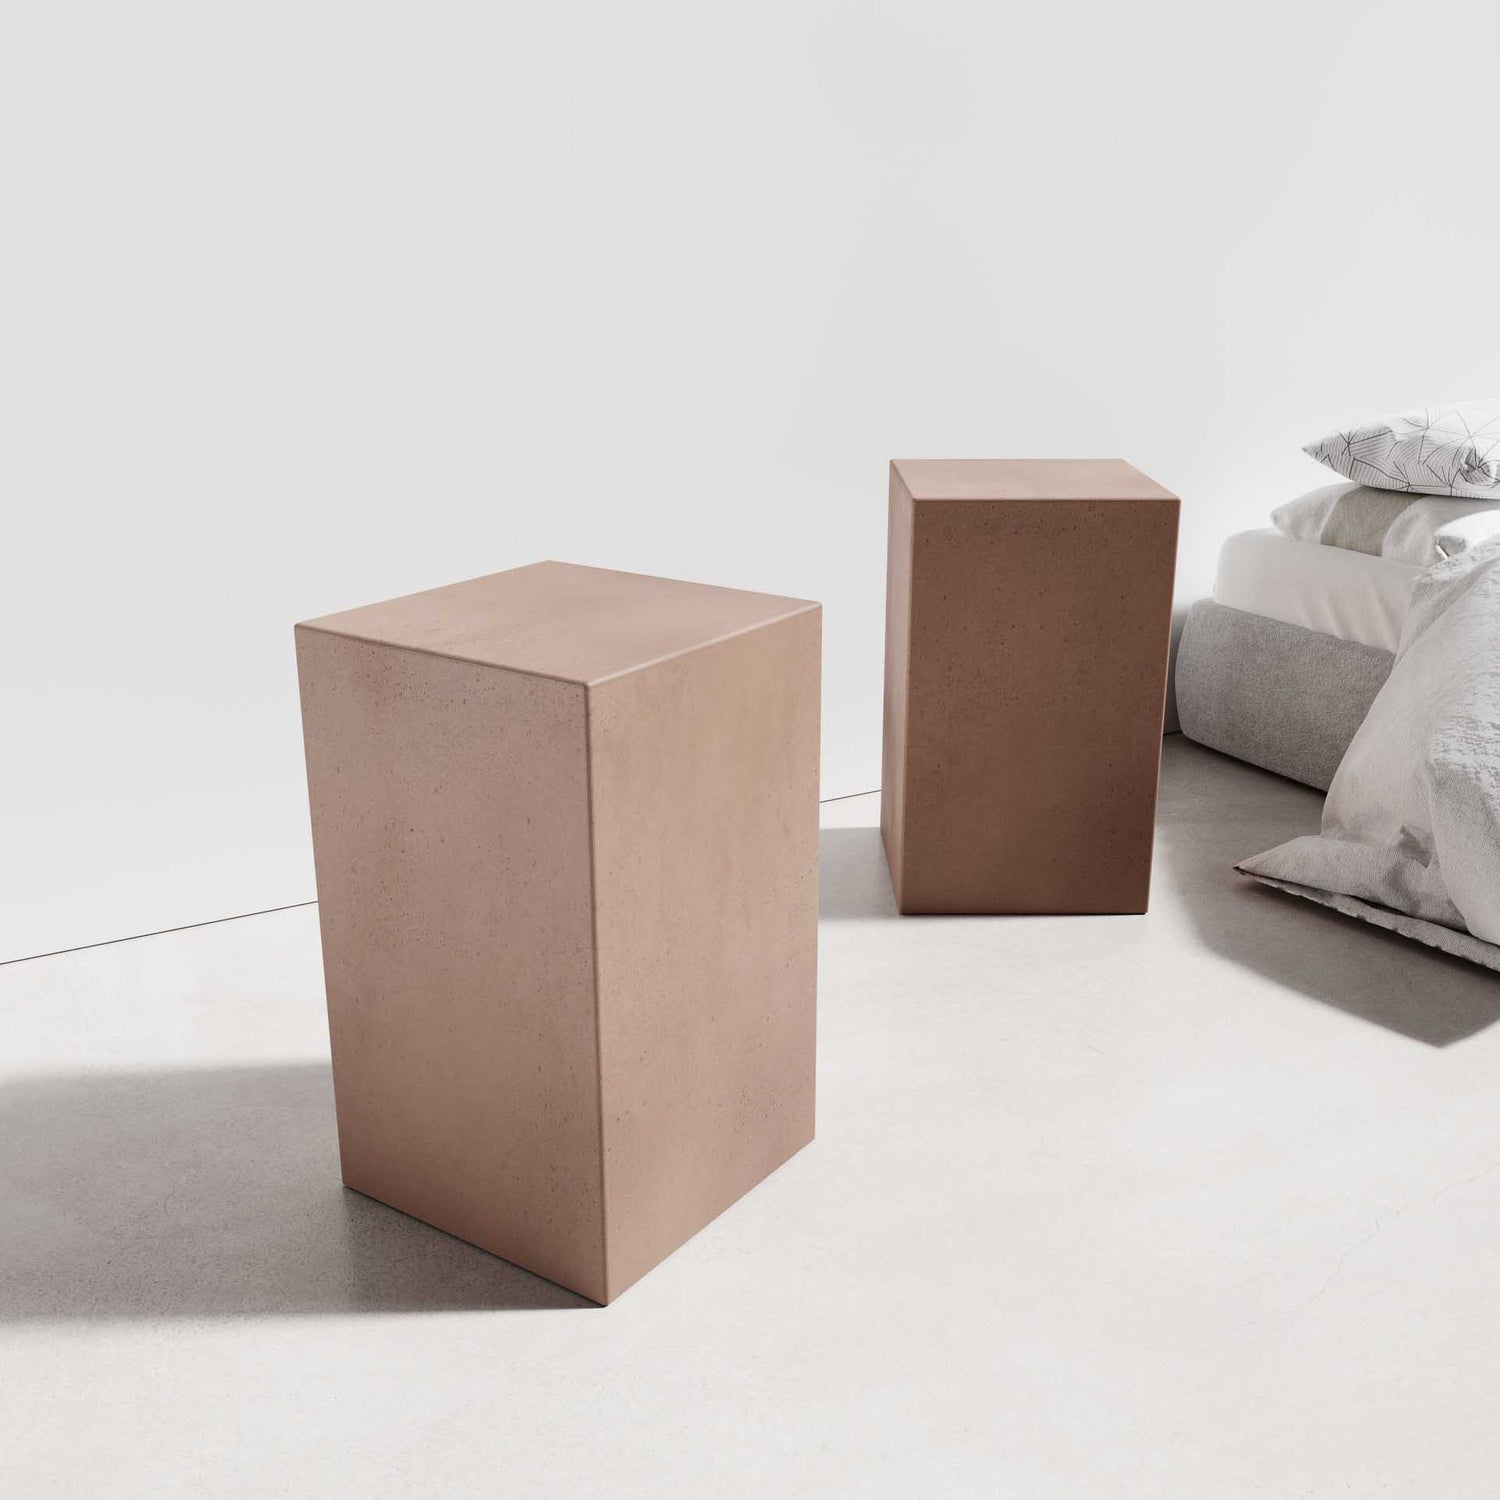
(308, 304)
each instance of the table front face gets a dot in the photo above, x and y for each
(1034, 687)
(450, 815)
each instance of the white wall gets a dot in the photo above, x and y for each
(307, 304)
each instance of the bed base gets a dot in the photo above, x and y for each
(1281, 697)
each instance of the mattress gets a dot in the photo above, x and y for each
(1349, 595)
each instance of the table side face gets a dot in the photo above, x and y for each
(552, 619)
(1038, 654)
(897, 661)
(705, 807)
(450, 823)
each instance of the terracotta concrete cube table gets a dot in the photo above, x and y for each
(1028, 612)
(566, 833)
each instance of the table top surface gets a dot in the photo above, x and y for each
(561, 620)
(1026, 479)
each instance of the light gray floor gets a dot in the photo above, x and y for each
(1200, 1204)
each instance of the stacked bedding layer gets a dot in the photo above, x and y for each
(1350, 595)
(1281, 666)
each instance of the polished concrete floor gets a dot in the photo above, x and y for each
(1199, 1204)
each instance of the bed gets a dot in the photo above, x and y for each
(1280, 666)
(1284, 667)
(1356, 647)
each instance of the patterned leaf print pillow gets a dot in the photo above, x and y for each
(1440, 450)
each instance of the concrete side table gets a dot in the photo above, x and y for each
(566, 835)
(1028, 611)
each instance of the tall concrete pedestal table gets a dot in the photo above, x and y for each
(566, 833)
(1028, 611)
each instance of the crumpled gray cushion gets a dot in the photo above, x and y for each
(1412, 822)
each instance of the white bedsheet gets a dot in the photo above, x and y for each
(1351, 595)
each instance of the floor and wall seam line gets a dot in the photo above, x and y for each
(135, 937)
(265, 911)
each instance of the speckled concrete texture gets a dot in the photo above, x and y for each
(1029, 609)
(565, 824)
(705, 776)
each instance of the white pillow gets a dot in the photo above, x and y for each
(1420, 529)
(1440, 450)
